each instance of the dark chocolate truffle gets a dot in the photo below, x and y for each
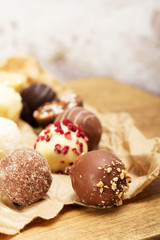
(25, 176)
(89, 122)
(99, 178)
(46, 113)
(34, 96)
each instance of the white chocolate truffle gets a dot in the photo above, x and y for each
(61, 144)
(10, 103)
(10, 136)
(13, 79)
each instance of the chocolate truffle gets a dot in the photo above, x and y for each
(61, 144)
(34, 96)
(99, 178)
(89, 122)
(25, 176)
(49, 111)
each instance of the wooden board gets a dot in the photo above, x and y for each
(138, 218)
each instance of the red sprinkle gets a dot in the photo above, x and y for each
(38, 138)
(75, 151)
(65, 150)
(35, 145)
(47, 131)
(70, 125)
(77, 141)
(68, 135)
(42, 138)
(71, 163)
(66, 122)
(58, 148)
(81, 147)
(62, 162)
(48, 138)
(80, 132)
(58, 128)
(57, 124)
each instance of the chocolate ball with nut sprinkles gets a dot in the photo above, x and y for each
(99, 178)
(89, 122)
(61, 144)
(25, 176)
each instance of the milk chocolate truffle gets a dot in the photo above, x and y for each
(47, 113)
(89, 122)
(34, 96)
(99, 178)
(61, 144)
(25, 176)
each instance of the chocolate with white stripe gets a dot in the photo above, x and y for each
(89, 122)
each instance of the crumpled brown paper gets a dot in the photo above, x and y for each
(141, 155)
(120, 136)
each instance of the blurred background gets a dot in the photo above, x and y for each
(78, 39)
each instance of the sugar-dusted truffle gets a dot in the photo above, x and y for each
(61, 144)
(25, 176)
(34, 96)
(89, 122)
(99, 178)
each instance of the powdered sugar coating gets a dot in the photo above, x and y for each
(25, 176)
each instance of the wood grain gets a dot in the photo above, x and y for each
(138, 218)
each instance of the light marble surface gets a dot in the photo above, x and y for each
(77, 39)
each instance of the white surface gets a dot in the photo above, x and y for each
(76, 39)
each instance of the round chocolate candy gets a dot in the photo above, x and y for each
(99, 178)
(47, 113)
(61, 144)
(25, 176)
(34, 96)
(89, 122)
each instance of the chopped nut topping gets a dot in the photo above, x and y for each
(80, 176)
(101, 190)
(114, 186)
(113, 163)
(120, 195)
(129, 180)
(119, 203)
(105, 186)
(115, 179)
(126, 167)
(99, 167)
(118, 170)
(109, 169)
(122, 176)
(100, 184)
